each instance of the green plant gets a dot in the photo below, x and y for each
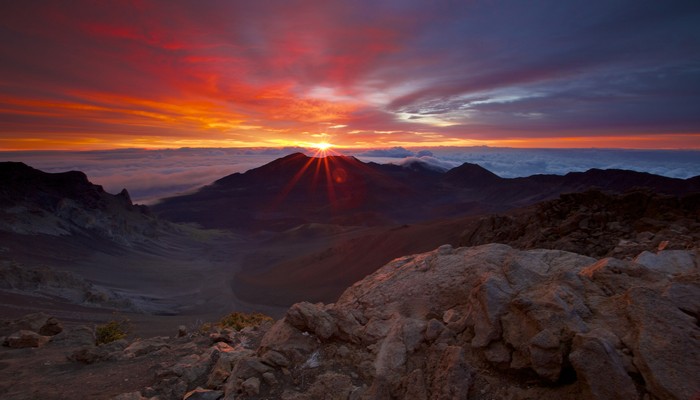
(111, 331)
(238, 320)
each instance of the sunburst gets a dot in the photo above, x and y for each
(322, 146)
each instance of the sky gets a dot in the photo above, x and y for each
(91, 75)
(150, 175)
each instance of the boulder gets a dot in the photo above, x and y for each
(669, 261)
(251, 386)
(145, 346)
(425, 327)
(82, 335)
(598, 364)
(665, 344)
(51, 327)
(23, 339)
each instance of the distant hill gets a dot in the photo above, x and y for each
(342, 190)
(33, 201)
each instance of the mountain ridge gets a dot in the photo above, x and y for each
(298, 189)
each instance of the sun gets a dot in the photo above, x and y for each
(322, 146)
(321, 149)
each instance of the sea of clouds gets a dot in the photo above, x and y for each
(150, 175)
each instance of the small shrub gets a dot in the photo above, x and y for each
(205, 327)
(111, 331)
(239, 320)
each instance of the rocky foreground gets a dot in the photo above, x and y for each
(486, 322)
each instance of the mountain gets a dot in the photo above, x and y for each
(68, 246)
(297, 189)
(33, 201)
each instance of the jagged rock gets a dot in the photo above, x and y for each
(251, 386)
(433, 329)
(51, 327)
(275, 359)
(224, 364)
(23, 339)
(30, 322)
(312, 318)
(596, 223)
(225, 336)
(415, 386)
(181, 331)
(668, 262)
(270, 378)
(328, 386)
(89, 355)
(145, 346)
(75, 336)
(664, 341)
(598, 364)
(203, 394)
(289, 341)
(452, 376)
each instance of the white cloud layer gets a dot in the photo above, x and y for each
(149, 175)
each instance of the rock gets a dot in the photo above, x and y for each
(415, 386)
(224, 336)
(592, 354)
(251, 386)
(75, 337)
(668, 262)
(289, 341)
(224, 364)
(89, 355)
(32, 322)
(311, 318)
(391, 354)
(498, 354)
(275, 359)
(452, 376)
(51, 327)
(24, 339)
(328, 386)
(181, 331)
(192, 368)
(269, 378)
(596, 224)
(664, 341)
(145, 346)
(203, 394)
(545, 355)
(433, 329)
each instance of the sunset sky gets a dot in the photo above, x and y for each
(165, 74)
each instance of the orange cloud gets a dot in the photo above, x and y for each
(366, 75)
